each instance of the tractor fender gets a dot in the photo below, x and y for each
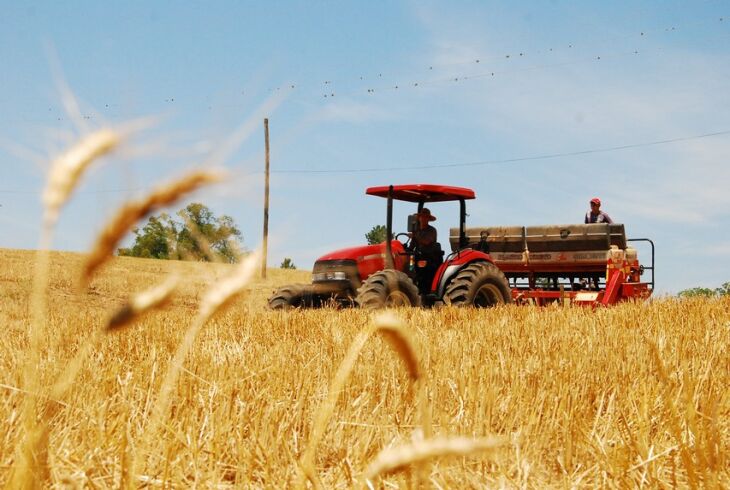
(453, 264)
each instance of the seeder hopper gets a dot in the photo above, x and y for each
(580, 263)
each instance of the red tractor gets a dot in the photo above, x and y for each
(586, 264)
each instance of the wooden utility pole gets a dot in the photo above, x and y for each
(266, 202)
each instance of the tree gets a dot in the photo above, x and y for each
(197, 235)
(376, 235)
(287, 263)
(696, 293)
(723, 290)
(155, 239)
(220, 235)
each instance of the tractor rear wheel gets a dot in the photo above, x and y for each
(294, 296)
(480, 284)
(387, 288)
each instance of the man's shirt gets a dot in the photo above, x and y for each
(426, 243)
(601, 217)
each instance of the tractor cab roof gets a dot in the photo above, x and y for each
(422, 192)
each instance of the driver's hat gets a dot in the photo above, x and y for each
(427, 212)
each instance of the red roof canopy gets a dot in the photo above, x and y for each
(422, 192)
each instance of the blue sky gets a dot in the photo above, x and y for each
(552, 78)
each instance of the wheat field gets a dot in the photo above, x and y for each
(631, 396)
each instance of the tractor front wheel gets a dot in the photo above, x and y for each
(294, 296)
(387, 288)
(480, 284)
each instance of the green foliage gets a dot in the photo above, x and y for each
(197, 235)
(376, 235)
(723, 290)
(697, 292)
(287, 263)
(153, 242)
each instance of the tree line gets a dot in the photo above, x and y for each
(723, 290)
(193, 233)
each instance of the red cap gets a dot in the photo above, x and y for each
(596, 200)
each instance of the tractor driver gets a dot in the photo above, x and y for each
(428, 253)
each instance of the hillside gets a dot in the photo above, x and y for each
(127, 275)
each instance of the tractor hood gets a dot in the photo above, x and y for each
(368, 258)
(358, 254)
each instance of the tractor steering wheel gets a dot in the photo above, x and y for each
(407, 242)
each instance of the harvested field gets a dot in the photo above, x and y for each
(630, 396)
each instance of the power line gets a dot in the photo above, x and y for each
(545, 156)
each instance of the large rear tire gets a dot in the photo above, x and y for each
(294, 296)
(481, 285)
(387, 288)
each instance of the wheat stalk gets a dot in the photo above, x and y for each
(63, 177)
(675, 425)
(132, 211)
(397, 336)
(135, 307)
(388, 325)
(215, 298)
(222, 293)
(400, 339)
(394, 459)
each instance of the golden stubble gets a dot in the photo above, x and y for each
(214, 299)
(576, 397)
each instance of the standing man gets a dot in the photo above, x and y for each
(595, 215)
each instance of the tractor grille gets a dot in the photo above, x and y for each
(336, 271)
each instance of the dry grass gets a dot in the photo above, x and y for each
(630, 396)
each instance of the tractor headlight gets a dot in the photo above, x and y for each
(329, 276)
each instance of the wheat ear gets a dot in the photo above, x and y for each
(394, 459)
(132, 211)
(397, 336)
(142, 302)
(64, 174)
(215, 298)
(68, 168)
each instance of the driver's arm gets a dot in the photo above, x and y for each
(427, 237)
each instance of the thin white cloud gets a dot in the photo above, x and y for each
(664, 94)
(719, 250)
(344, 110)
